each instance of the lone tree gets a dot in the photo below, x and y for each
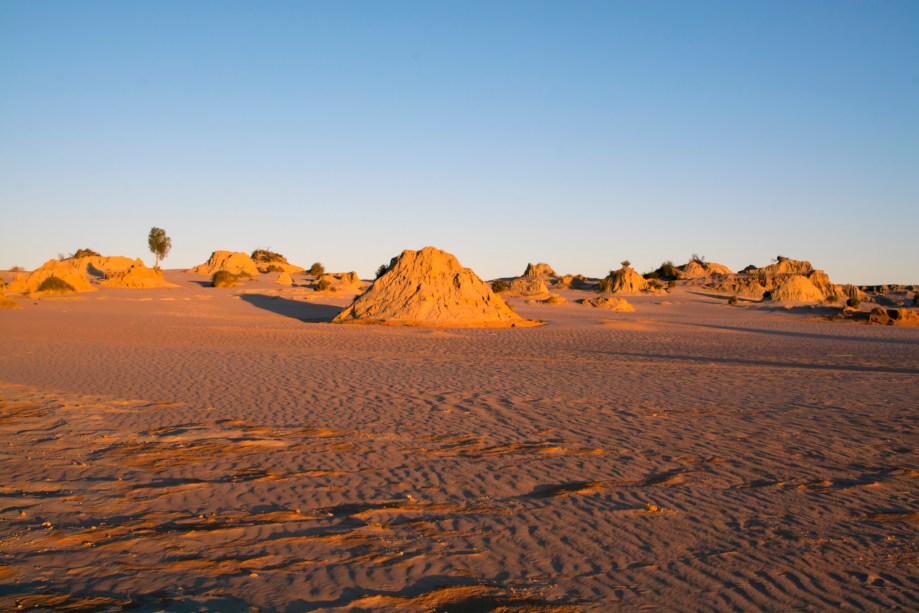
(159, 243)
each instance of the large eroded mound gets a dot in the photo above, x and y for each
(137, 276)
(430, 288)
(235, 262)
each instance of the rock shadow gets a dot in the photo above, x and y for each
(295, 309)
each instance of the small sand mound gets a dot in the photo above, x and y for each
(625, 281)
(553, 299)
(269, 261)
(430, 288)
(539, 270)
(72, 272)
(137, 276)
(527, 286)
(610, 304)
(235, 262)
(339, 282)
(797, 288)
(284, 279)
(696, 269)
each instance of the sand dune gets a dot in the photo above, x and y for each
(194, 448)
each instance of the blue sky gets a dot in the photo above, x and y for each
(576, 133)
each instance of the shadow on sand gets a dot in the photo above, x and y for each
(295, 309)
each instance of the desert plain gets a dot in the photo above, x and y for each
(229, 449)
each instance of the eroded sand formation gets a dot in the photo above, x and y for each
(430, 288)
(235, 262)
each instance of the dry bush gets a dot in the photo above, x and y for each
(224, 278)
(55, 285)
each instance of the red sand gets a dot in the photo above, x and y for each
(206, 448)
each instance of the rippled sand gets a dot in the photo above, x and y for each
(209, 449)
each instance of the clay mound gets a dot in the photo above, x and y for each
(340, 282)
(553, 299)
(741, 286)
(235, 262)
(527, 286)
(821, 281)
(538, 270)
(72, 272)
(265, 260)
(137, 276)
(430, 288)
(284, 279)
(797, 288)
(610, 304)
(701, 270)
(626, 281)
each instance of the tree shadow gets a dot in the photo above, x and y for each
(295, 309)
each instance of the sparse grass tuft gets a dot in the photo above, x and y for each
(266, 256)
(224, 278)
(500, 285)
(55, 285)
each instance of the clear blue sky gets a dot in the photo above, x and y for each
(576, 133)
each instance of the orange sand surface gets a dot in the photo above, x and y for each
(225, 449)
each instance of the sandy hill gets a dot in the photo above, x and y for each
(741, 285)
(235, 262)
(137, 276)
(265, 260)
(430, 288)
(76, 272)
(341, 281)
(626, 281)
(696, 269)
(796, 288)
(538, 270)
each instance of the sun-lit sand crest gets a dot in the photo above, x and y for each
(189, 447)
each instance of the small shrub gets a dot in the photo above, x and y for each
(916, 299)
(266, 256)
(749, 268)
(767, 295)
(323, 285)
(317, 269)
(667, 272)
(55, 285)
(84, 253)
(500, 285)
(224, 278)
(671, 284)
(853, 303)
(698, 259)
(733, 300)
(381, 271)
(578, 282)
(832, 300)
(654, 284)
(17, 269)
(274, 268)
(625, 263)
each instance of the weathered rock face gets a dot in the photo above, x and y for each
(72, 272)
(821, 281)
(741, 285)
(797, 288)
(627, 281)
(610, 304)
(137, 276)
(773, 275)
(701, 270)
(430, 288)
(538, 270)
(235, 262)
